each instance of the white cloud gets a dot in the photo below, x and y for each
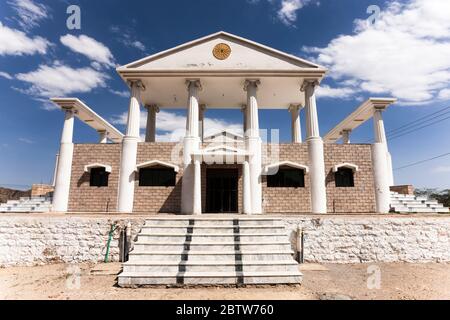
(405, 53)
(172, 126)
(325, 91)
(25, 140)
(444, 94)
(5, 75)
(89, 47)
(29, 13)
(442, 169)
(125, 35)
(17, 43)
(60, 80)
(288, 10)
(123, 94)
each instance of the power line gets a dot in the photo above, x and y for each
(408, 128)
(423, 161)
(417, 120)
(416, 129)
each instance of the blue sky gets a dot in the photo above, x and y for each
(403, 52)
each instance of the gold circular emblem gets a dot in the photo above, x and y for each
(222, 51)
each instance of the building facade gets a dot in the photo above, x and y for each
(249, 173)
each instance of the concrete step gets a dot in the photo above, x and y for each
(240, 221)
(180, 255)
(218, 246)
(212, 266)
(259, 229)
(212, 237)
(130, 279)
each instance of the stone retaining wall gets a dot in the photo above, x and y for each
(30, 240)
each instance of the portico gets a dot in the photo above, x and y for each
(225, 172)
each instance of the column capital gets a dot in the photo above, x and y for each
(345, 131)
(151, 107)
(203, 107)
(309, 82)
(248, 82)
(295, 107)
(136, 83)
(243, 107)
(195, 82)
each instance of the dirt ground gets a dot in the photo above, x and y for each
(329, 281)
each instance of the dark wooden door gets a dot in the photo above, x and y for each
(222, 190)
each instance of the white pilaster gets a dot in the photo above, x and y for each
(129, 150)
(191, 144)
(150, 133)
(295, 123)
(315, 150)
(382, 176)
(254, 145)
(346, 136)
(64, 169)
(246, 189)
(102, 136)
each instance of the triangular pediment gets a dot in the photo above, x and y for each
(198, 55)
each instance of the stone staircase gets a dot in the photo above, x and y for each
(27, 205)
(211, 251)
(402, 203)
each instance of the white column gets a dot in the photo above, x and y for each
(150, 133)
(246, 189)
(55, 171)
(315, 150)
(64, 170)
(201, 121)
(129, 150)
(380, 165)
(295, 124)
(254, 145)
(244, 113)
(197, 207)
(191, 144)
(102, 136)
(346, 136)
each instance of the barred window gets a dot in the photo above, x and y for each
(99, 177)
(157, 177)
(344, 178)
(287, 177)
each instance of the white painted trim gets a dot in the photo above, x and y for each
(352, 166)
(88, 167)
(286, 164)
(153, 163)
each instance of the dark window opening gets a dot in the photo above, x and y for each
(99, 177)
(344, 178)
(157, 177)
(287, 177)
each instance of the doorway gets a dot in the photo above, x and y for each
(222, 190)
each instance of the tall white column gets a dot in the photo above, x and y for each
(197, 206)
(64, 170)
(380, 164)
(246, 189)
(55, 171)
(102, 136)
(315, 150)
(346, 136)
(201, 121)
(150, 133)
(254, 145)
(129, 150)
(295, 123)
(191, 144)
(244, 113)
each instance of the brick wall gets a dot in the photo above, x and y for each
(41, 190)
(360, 198)
(406, 189)
(286, 200)
(82, 197)
(157, 199)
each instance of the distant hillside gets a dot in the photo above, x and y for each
(10, 194)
